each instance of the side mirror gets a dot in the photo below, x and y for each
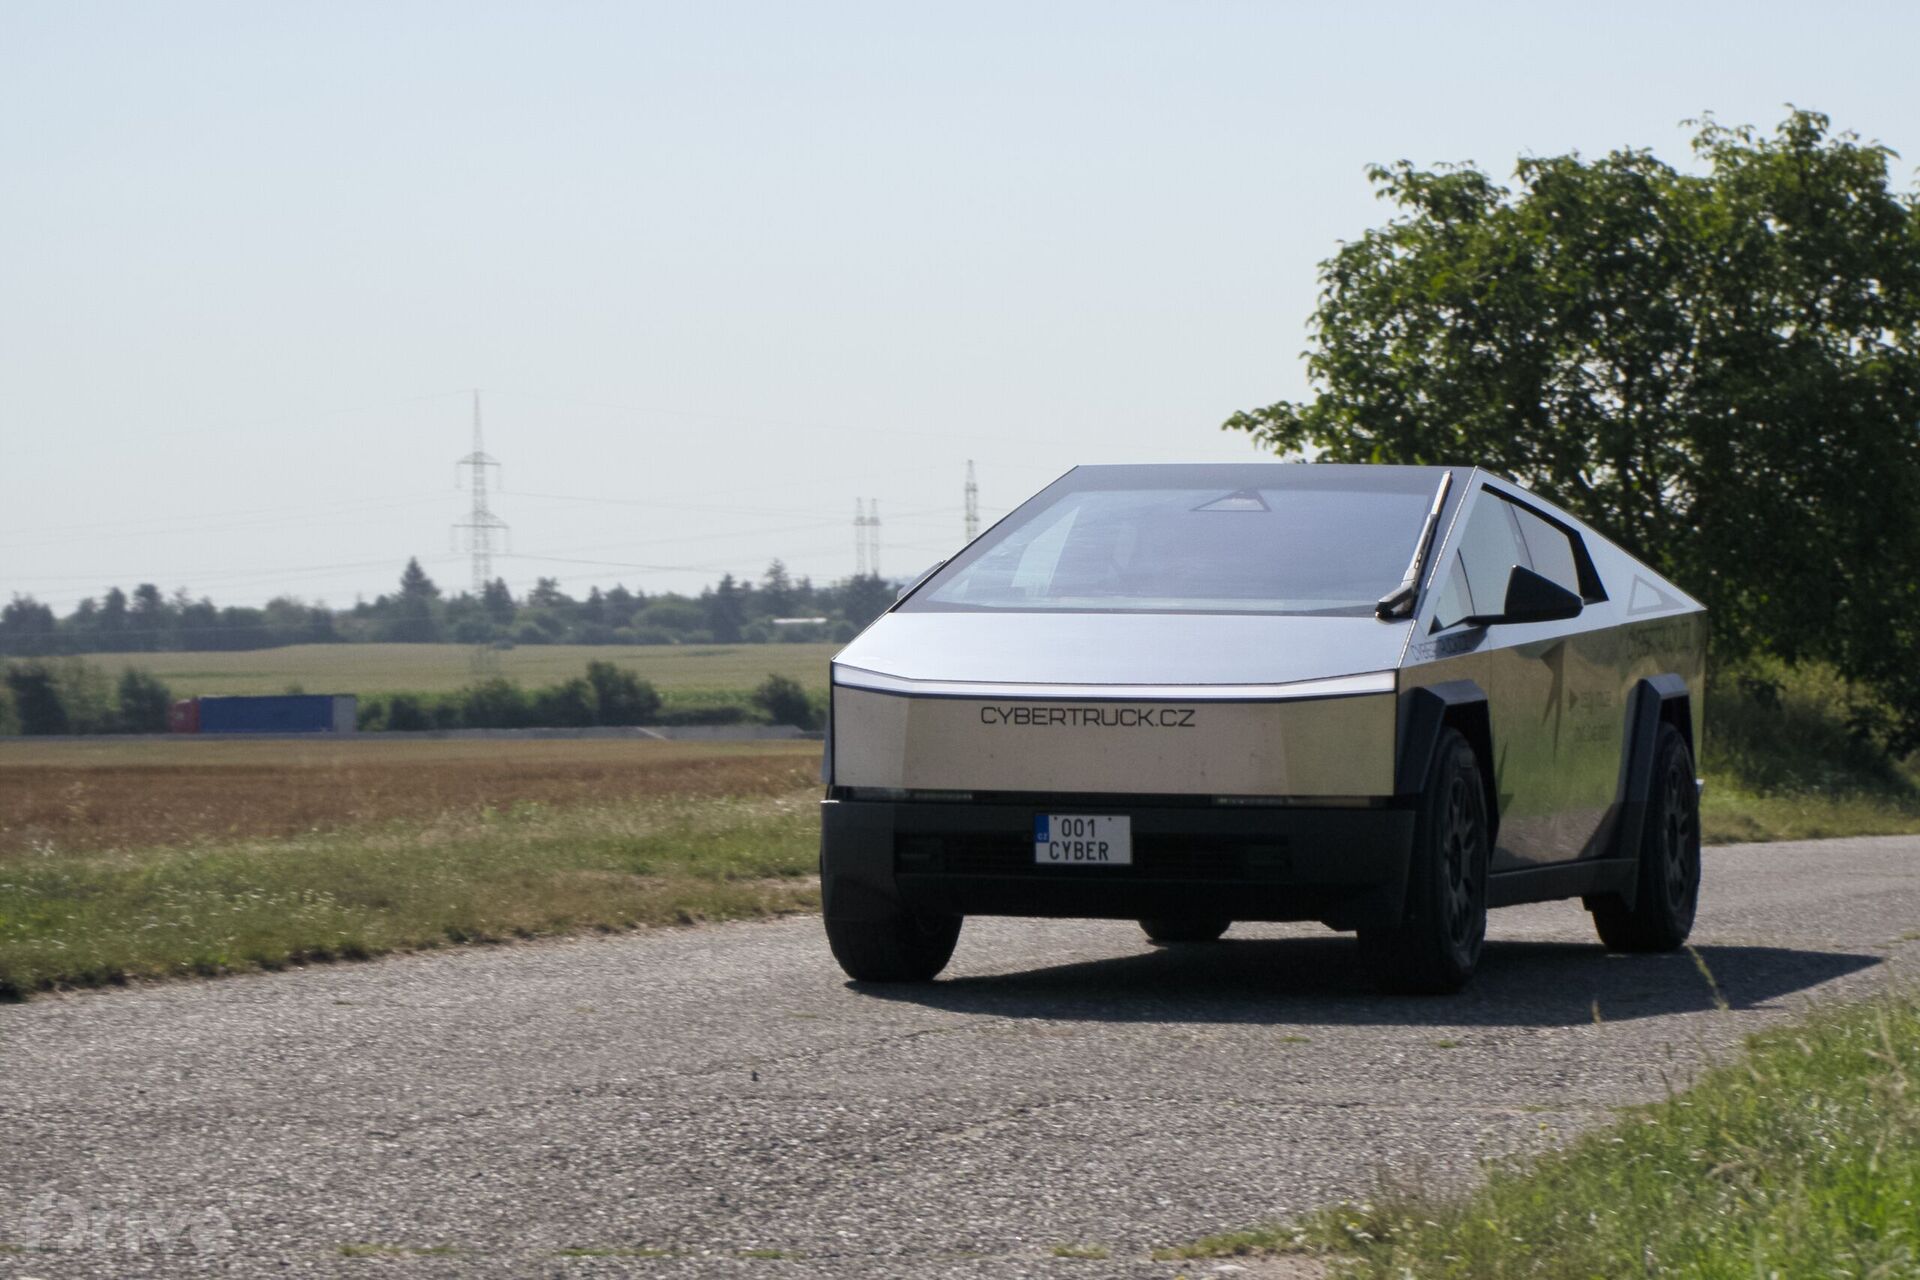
(1532, 598)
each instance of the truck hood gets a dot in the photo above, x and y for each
(1123, 648)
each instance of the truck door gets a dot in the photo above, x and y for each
(1546, 684)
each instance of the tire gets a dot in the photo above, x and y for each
(902, 948)
(1170, 929)
(1667, 889)
(1436, 944)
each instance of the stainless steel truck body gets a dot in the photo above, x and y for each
(1386, 698)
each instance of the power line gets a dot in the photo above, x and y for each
(210, 521)
(262, 424)
(788, 427)
(481, 524)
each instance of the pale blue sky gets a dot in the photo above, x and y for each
(721, 268)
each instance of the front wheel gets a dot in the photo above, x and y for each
(1667, 889)
(903, 947)
(1435, 945)
(1169, 929)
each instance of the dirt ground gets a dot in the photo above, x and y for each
(84, 797)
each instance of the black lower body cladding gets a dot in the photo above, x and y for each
(1344, 866)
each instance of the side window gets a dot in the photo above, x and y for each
(1490, 547)
(1453, 602)
(1551, 549)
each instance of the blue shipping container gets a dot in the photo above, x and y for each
(283, 713)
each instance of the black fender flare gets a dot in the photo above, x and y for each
(1647, 706)
(1424, 712)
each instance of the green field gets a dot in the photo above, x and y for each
(439, 668)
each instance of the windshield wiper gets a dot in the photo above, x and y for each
(1398, 603)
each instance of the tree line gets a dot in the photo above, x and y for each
(43, 696)
(779, 607)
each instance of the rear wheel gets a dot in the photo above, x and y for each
(1667, 893)
(1166, 929)
(1436, 943)
(904, 947)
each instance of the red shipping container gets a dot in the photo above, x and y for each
(184, 716)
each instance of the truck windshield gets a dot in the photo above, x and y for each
(1271, 538)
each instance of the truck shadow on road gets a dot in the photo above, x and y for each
(1319, 980)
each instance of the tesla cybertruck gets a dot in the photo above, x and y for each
(1384, 698)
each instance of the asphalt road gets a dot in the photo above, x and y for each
(722, 1090)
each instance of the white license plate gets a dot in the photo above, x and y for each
(1083, 840)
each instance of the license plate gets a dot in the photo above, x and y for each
(1083, 840)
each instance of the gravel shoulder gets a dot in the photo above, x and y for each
(722, 1092)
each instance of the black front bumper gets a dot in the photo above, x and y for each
(1345, 866)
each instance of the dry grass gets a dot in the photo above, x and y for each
(173, 858)
(1731, 814)
(436, 668)
(81, 796)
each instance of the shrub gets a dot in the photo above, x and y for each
(63, 695)
(1778, 729)
(498, 703)
(404, 712)
(36, 698)
(621, 697)
(143, 702)
(567, 705)
(785, 702)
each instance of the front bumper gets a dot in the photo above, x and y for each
(1344, 866)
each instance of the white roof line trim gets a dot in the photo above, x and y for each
(848, 677)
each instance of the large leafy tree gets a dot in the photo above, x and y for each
(1718, 368)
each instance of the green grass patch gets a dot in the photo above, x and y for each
(1801, 1158)
(1732, 814)
(525, 871)
(1796, 753)
(1092, 1252)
